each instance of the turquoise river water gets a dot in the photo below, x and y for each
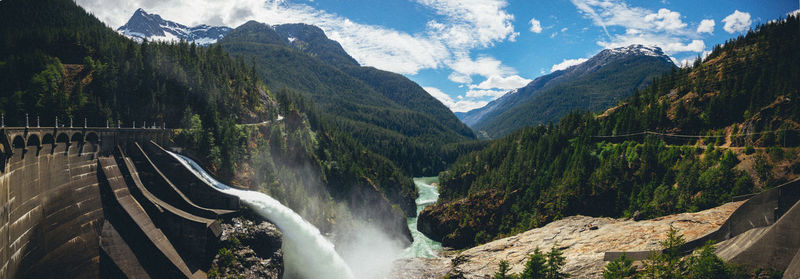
(423, 247)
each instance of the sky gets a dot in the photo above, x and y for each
(469, 52)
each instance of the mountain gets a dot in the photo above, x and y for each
(57, 60)
(387, 112)
(593, 85)
(143, 26)
(691, 140)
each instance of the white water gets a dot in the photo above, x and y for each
(423, 247)
(306, 252)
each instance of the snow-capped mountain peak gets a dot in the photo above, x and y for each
(639, 50)
(144, 26)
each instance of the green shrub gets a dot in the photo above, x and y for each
(619, 268)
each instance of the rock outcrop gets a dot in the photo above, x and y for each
(252, 249)
(443, 222)
(584, 246)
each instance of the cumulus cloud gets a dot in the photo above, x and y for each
(536, 26)
(439, 95)
(737, 22)
(471, 23)
(567, 63)
(462, 105)
(464, 67)
(666, 20)
(496, 81)
(493, 94)
(706, 26)
(663, 28)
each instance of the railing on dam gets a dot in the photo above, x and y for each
(21, 139)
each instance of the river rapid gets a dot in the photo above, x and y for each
(423, 247)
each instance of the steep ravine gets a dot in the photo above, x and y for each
(422, 246)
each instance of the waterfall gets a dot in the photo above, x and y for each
(306, 252)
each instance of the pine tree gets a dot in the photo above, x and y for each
(536, 267)
(619, 268)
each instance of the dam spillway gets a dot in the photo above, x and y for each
(100, 202)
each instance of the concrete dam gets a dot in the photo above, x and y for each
(103, 203)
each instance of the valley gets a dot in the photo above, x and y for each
(284, 140)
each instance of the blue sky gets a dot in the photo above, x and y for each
(468, 52)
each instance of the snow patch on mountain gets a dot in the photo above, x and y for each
(144, 26)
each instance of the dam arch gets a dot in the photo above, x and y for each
(77, 138)
(62, 137)
(18, 142)
(33, 140)
(92, 137)
(48, 139)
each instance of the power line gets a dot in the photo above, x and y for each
(690, 136)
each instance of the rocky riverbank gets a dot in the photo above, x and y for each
(584, 240)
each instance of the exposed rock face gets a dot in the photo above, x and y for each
(442, 222)
(421, 268)
(584, 247)
(252, 250)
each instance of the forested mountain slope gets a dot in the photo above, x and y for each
(594, 85)
(386, 112)
(56, 60)
(691, 140)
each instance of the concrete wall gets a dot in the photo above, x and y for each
(67, 209)
(51, 213)
(760, 210)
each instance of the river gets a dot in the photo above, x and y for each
(423, 247)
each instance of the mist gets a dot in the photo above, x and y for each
(367, 249)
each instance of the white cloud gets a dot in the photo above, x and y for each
(493, 94)
(464, 67)
(496, 81)
(567, 63)
(536, 26)
(706, 26)
(459, 78)
(439, 95)
(664, 28)
(794, 13)
(471, 23)
(666, 20)
(737, 22)
(462, 105)
(689, 61)
(467, 105)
